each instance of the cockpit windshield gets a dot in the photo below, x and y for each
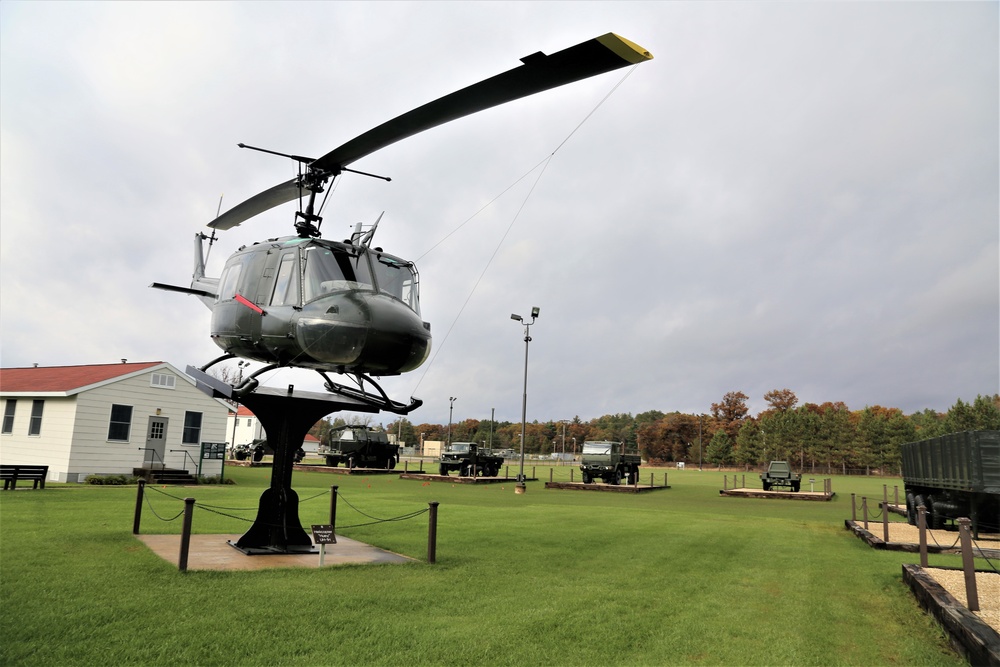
(397, 279)
(334, 269)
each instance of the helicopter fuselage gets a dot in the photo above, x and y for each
(320, 304)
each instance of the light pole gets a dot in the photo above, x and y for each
(451, 406)
(520, 486)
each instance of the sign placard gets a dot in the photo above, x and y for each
(213, 450)
(323, 534)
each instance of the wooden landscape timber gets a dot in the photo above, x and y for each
(904, 537)
(428, 477)
(969, 635)
(613, 488)
(337, 470)
(781, 495)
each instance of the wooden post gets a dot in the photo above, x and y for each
(864, 510)
(570, 474)
(333, 507)
(968, 564)
(432, 521)
(885, 513)
(744, 482)
(650, 480)
(922, 530)
(507, 473)
(895, 490)
(551, 470)
(138, 507)
(725, 482)
(182, 561)
(854, 510)
(406, 466)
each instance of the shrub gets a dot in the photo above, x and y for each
(111, 480)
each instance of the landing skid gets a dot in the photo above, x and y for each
(286, 416)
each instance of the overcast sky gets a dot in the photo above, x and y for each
(790, 195)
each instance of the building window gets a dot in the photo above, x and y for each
(8, 415)
(192, 428)
(121, 423)
(162, 381)
(35, 425)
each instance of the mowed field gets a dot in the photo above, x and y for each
(552, 577)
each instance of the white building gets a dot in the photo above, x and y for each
(246, 428)
(108, 419)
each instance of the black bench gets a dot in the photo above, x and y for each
(12, 474)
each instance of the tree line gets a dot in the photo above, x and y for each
(828, 437)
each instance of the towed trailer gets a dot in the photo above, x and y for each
(953, 476)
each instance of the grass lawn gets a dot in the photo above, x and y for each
(551, 577)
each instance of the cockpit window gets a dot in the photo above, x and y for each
(333, 269)
(230, 279)
(397, 279)
(286, 285)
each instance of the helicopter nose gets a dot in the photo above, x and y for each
(369, 333)
(397, 341)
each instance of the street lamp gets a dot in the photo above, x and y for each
(451, 406)
(520, 486)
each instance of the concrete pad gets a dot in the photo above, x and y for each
(213, 552)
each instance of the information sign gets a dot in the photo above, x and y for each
(323, 534)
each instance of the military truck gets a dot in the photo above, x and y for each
(779, 473)
(256, 450)
(358, 447)
(608, 461)
(469, 460)
(954, 476)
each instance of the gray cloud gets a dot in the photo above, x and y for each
(789, 195)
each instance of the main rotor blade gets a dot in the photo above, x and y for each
(538, 73)
(257, 204)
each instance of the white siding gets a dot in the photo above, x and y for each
(51, 446)
(74, 436)
(93, 453)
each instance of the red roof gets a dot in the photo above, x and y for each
(42, 379)
(310, 438)
(244, 411)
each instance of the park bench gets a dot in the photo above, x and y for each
(11, 474)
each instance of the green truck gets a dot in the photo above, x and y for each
(954, 476)
(608, 461)
(469, 460)
(779, 473)
(358, 447)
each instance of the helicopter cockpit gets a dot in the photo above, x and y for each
(331, 267)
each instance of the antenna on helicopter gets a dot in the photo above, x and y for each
(365, 238)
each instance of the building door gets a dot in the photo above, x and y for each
(156, 442)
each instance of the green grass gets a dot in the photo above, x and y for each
(551, 577)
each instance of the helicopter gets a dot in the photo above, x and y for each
(347, 307)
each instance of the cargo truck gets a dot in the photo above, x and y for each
(954, 476)
(358, 447)
(608, 461)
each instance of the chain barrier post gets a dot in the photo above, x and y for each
(333, 506)
(432, 521)
(550, 474)
(922, 529)
(968, 564)
(854, 510)
(182, 561)
(864, 510)
(138, 506)
(885, 513)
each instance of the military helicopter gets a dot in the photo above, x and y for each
(346, 307)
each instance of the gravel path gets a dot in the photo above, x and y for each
(987, 586)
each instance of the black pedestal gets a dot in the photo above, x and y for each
(286, 416)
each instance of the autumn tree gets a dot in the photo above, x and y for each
(781, 399)
(731, 411)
